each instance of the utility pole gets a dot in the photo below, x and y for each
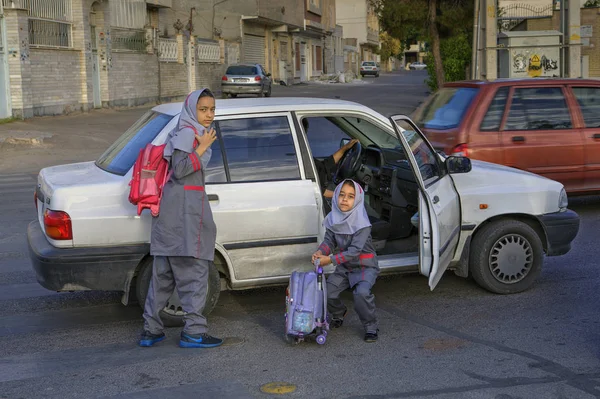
(475, 51)
(574, 49)
(491, 40)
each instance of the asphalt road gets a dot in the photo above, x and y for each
(458, 341)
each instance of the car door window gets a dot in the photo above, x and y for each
(427, 159)
(542, 108)
(589, 103)
(493, 116)
(215, 170)
(324, 137)
(259, 149)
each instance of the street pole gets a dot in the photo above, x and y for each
(475, 55)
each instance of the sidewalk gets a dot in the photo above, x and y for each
(27, 146)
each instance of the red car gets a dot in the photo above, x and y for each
(550, 127)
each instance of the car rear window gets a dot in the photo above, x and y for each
(241, 70)
(446, 108)
(369, 63)
(121, 156)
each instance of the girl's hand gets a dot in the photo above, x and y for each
(205, 141)
(324, 260)
(316, 255)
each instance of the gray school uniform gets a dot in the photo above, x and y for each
(356, 267)
(184, 233)
(183, 243)
(185, 225)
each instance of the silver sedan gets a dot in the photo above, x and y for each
(246, 79)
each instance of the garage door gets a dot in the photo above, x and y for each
(254, 49)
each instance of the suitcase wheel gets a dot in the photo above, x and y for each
(321, 339)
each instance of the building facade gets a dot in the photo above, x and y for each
(62, 56)
(359, 21)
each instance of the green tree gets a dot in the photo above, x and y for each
(390, 46)
(441, 23)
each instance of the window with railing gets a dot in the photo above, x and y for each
(128, 39)
(128, 18)
(49, 22)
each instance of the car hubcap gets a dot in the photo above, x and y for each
(173, 306)
(511, 258)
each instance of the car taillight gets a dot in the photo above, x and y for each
(362, 69)
(35, 199)
(461, 150)
(58, 225)
(224, 78)
(257, 78)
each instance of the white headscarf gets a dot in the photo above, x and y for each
(347, 222)
(183, 135)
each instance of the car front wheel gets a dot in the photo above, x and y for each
(172, 314)
(506, 256)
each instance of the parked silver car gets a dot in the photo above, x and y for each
(262, 184)
(246, 79)
(369, 68)
(417, 66)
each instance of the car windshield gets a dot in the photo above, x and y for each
(379, 136)
(121, 156)
(369, 63)
(241, 70)
(446, 108)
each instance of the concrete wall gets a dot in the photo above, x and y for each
(352, 16)
(133, 79)
(55, 81)
(287, 11)
(174, 80)
(209, 75)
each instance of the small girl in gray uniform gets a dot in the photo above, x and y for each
(184, 233)
(348, 229)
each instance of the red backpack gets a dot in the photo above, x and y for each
(150, 173)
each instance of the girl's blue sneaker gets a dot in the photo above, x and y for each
(199, 341)
(148, 339)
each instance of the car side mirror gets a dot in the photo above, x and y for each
(267, 74)
(458, 164)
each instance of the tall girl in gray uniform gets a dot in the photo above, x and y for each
(183, 235)
(349, 231)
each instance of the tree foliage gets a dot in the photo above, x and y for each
(445, 24)
(390, 46)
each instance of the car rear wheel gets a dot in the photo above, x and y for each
(172, 314)
(506, 256)
(268, 94)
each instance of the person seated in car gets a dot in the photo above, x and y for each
(326, 167)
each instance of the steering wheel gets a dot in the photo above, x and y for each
(349, 164)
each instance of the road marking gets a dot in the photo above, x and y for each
(278, 388)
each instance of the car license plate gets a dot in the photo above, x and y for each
(240, 80)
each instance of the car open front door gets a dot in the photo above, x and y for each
(439, 207)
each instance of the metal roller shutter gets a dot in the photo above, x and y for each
(254, 49)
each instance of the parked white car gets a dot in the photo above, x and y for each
(369, 68)
(472, 217)
(417, 66)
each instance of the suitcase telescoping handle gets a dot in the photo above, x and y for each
(318, 267)
(319, 270)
